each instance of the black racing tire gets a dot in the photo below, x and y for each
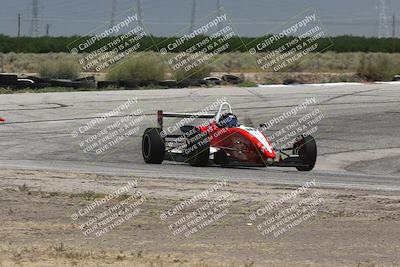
(168, 83)
(198, 148)
(65, 83)
(107, 84)
(153, 146)
(306, 148)
(232, 79)
(7, 79)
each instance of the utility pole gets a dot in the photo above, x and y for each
(219, 14)
(113, 12)
(35, 18)
(48, 29)
(394, 33)
(19, 25)
(193, 18)
(140, 13)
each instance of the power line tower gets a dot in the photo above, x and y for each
(113, 13)
(19, 25)
(193, 17)
(393, 25)
(140, 13)
(219, 14)
(48, 29)
(383, 25)
(35, 19)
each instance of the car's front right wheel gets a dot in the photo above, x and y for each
(306, 148)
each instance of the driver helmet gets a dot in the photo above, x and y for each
(229, 120)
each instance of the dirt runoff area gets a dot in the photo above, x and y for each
(75, 219)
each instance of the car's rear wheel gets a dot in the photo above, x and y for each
(198, 148)
(306, 148)
(153, 146)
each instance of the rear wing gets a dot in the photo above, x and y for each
(161, 115)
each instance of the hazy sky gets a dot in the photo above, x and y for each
(167, 17)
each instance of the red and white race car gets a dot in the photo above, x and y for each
(224, 142)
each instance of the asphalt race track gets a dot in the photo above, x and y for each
(358, 139)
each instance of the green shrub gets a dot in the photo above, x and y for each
(60, 69)
(378, 67)
(139, 67)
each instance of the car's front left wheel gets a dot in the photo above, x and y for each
(153, 146)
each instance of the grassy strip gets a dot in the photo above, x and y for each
(228, 63)
(60, 44)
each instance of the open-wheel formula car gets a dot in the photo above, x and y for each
(224, 142)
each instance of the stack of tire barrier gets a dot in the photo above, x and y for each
(231, 79)
(87, 82)
(136, 84)
(12, 81)
(192, 82)
(210, 81)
